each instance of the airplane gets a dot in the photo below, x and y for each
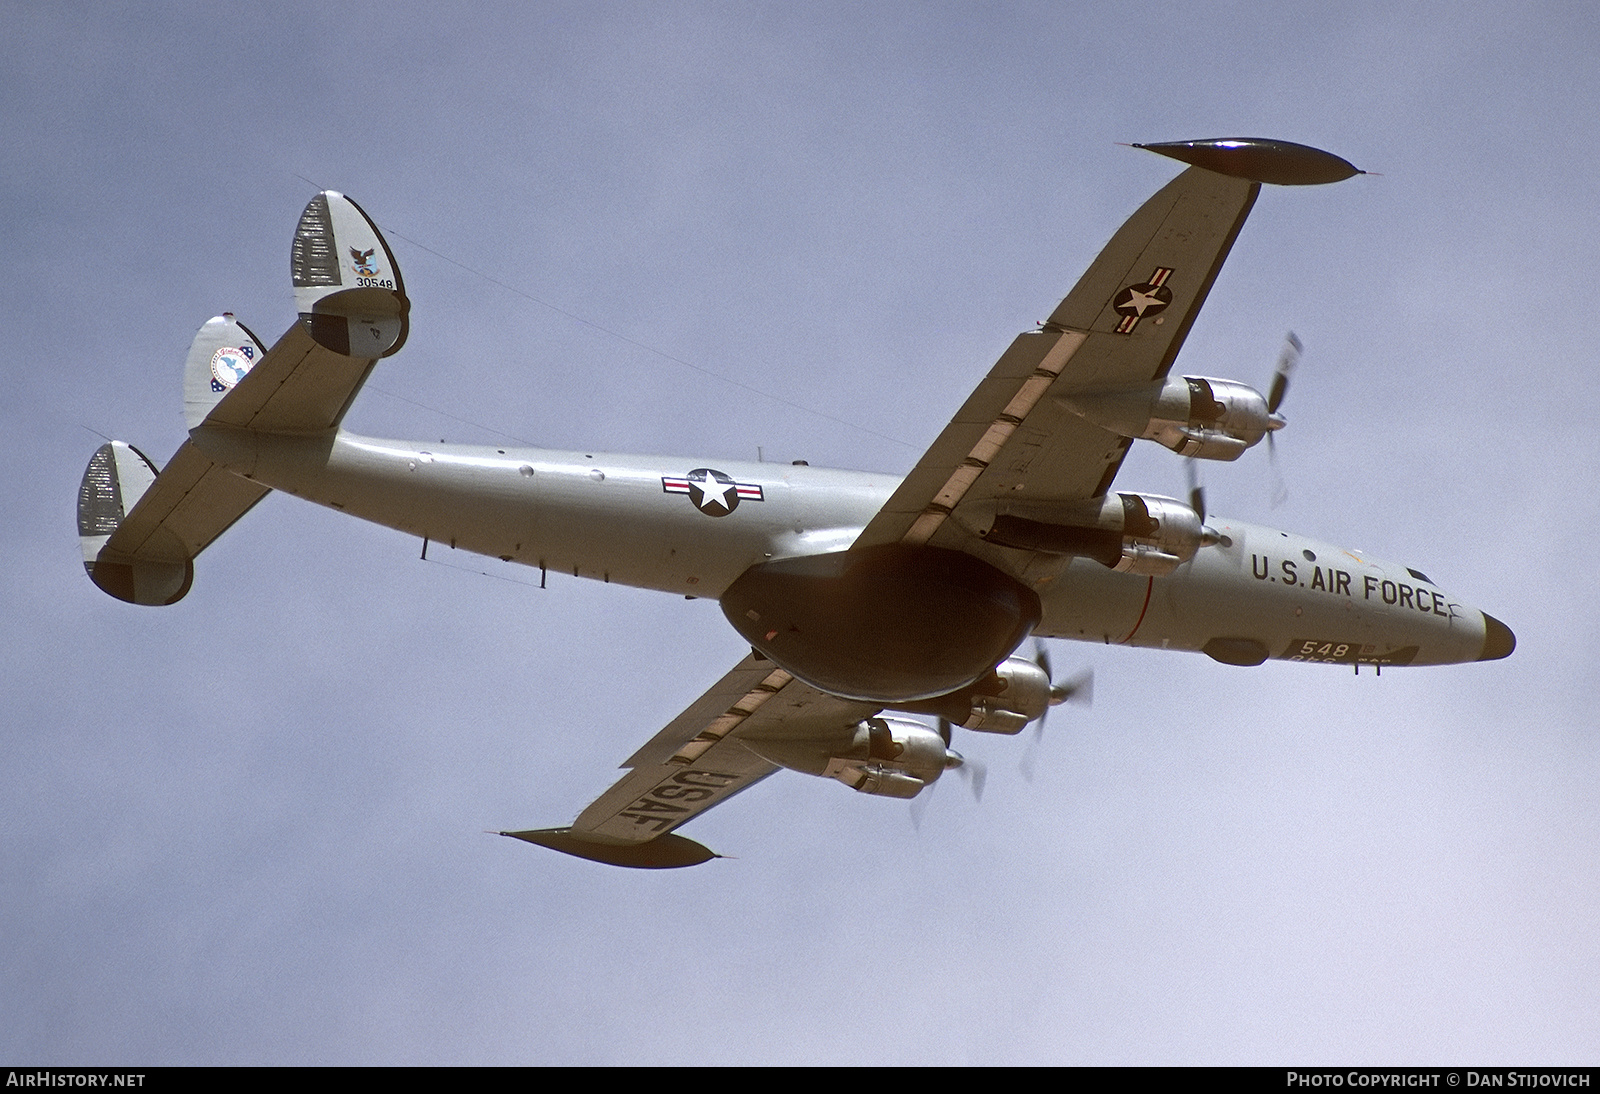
(869, 602)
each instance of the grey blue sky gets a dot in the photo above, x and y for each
(250, 828)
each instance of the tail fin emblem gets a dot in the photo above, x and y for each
(229, 365)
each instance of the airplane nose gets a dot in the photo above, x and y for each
(1498, 641)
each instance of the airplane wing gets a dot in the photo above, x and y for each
(1123, 323)
(699, 761)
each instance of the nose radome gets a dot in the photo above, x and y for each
(1498, 641)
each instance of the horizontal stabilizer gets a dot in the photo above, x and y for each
(298, 386)
(347, 285)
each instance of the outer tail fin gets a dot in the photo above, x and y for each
(117, 477)
(346, 282)
(141, 530)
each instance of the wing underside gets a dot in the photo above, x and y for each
(699, 761)
(1123, 323)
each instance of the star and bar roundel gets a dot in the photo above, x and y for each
(1138, 302)
(712, 492)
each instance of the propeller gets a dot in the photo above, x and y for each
(1197, 493)
(1079, 688)
(1288, 358)
(976, 776)
(973, 772)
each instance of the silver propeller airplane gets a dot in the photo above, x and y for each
(863, 597)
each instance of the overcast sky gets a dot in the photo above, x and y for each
(250, 828)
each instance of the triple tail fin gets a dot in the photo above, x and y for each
(140, 529)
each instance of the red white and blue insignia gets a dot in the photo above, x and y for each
(229, 365)
(1138, 302)
(712, 492)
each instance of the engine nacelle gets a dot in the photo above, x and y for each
(1195, 416)
(1158, 534)
(1014, 694)
(886, 756)
(1130, 533)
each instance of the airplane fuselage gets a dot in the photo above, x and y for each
(693, 528)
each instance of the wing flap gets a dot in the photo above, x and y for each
(974, 439)
(743, 689)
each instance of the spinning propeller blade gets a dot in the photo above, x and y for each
(973, 772)
(1078, 689)
(1197, 492)
(1288, 358)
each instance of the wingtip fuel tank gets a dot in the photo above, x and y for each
(1260, 159)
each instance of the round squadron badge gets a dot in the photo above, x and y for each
(712, 492)
(229, 364)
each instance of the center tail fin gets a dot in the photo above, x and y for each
(141, 530)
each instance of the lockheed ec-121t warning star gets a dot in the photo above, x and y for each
(859, 594)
